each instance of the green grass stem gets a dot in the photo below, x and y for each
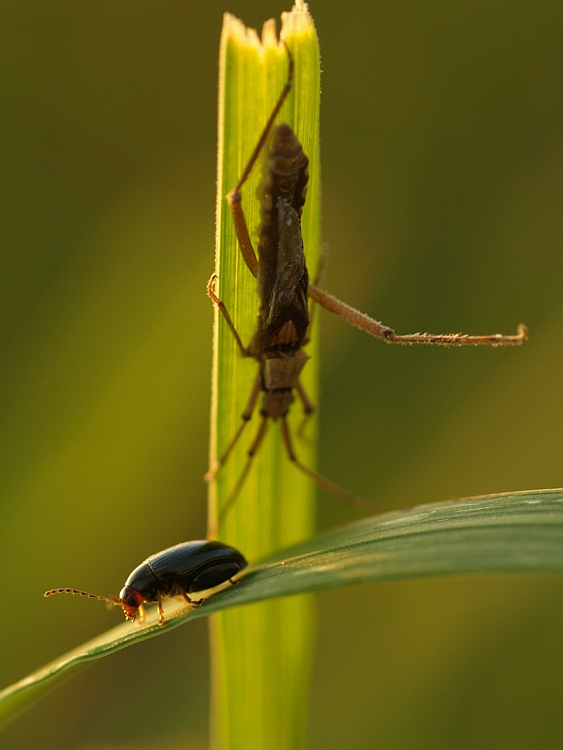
(261, 654)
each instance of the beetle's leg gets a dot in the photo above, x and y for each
(221, 305)
(194, 602)
(326, 484)
(141, 613)
(160, 611)
(246, 416)
(234, 197)
(212, 533)
(371, 326)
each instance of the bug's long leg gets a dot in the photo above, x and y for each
(308, 406)
(321, 267)
(371, 326)
(234, 196)
(267, 127)
(160, 611)
(241, 229)
(246, 417)
(318, 280)
(212, 533)
(326, 484)
(221, 306)
(309, 409)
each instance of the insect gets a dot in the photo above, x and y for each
(177, 571)
(284, 288)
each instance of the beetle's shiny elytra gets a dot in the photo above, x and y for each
(177, 571)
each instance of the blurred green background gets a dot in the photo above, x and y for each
(443, 184)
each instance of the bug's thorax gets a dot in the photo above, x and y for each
(281, 370)
(280, 373)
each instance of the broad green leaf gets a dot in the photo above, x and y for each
(514, 532)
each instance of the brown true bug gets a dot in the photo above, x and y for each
(284, 288)
(177, 571)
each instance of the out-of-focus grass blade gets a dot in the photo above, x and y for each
(513, 532)
(261, 655)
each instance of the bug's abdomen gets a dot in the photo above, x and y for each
(283, 279)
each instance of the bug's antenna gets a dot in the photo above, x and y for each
(111, 599)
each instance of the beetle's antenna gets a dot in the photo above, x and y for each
(111, 599)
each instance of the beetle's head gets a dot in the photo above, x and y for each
(130, 600)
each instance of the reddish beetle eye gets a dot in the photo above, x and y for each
(130, 600)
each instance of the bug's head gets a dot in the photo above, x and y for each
(130, 600)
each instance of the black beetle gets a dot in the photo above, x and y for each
(176, 571)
